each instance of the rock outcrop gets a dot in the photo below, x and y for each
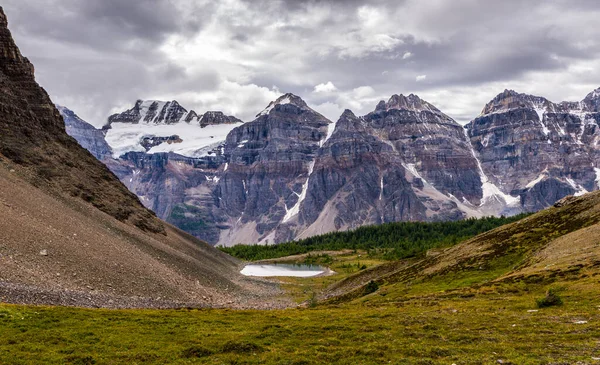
(89, 137)
(536, 149)
(216, 117)
(156, 112)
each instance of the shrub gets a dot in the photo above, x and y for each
(80, 360)
(312, 301)
(371, 287)
(551, 299)
(241, 347)
(196, 351)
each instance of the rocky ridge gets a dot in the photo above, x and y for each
(291, 173)
(536, 149)
(157, 126)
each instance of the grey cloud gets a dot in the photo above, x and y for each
(101, 54)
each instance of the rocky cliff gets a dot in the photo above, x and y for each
(291, 173)
(157, 126)
(538, 150)
(85, 134)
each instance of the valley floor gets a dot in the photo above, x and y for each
(473, 303)
(466, 328)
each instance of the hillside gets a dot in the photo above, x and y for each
(557, 244)
(72, 234)
(474, 303)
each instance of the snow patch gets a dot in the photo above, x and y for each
(540, 112)
(486, 140)
(214, 179)
(536, 181)
(268, 109)
(330, 130)
(126, 137)
(597, 171)
(290, 213)
(490, 191)
(579, 190)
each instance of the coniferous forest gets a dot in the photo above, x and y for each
(389, 241)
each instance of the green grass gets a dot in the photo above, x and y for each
(344, 264)
(466, 312)
(391, 241)
(477, 330)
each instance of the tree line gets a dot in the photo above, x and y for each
(391, 241)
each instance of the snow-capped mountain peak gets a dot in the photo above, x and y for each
(288, 98)
(170, 127)
(154, 112)
(411, 102)
(423, 110)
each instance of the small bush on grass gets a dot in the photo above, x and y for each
(371, 287)
(551, 299)
(196, 351)
(241, 347)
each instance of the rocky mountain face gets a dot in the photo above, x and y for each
(153, 111)
(33, 136)
(404, 161)
(538, 150)
(291, 173)
(87, 135)
(216, 117)
(157, 126)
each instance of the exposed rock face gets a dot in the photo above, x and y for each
(430, 141)
(269, 163)
(87, 135)
(291, 173)
(153, 111)
(149, 142)
(537, 149)
(213, 118)
(358, 179)
(178, 188)
(32, 134)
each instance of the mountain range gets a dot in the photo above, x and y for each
(291, 173)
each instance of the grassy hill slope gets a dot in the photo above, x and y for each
(474, 303)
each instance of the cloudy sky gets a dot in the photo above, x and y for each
(99, 56)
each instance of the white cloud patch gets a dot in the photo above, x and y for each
(421, 77)
(325, 88)
(407, 55)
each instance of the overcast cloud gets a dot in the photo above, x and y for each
(98, 56)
